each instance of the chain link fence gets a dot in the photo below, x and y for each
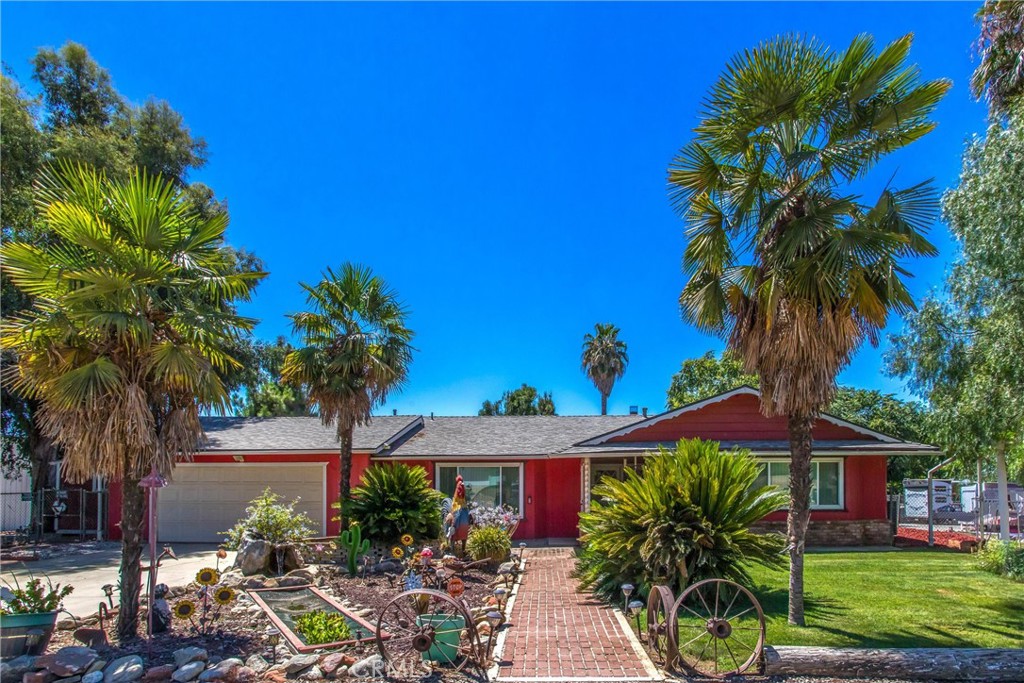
(31, 515)
(956, 508)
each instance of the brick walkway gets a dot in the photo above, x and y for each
(559, 633)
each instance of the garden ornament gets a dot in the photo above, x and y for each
(353, 541)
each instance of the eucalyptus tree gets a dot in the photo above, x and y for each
(604, 359)
(784, 259)
(125, 343)
(356, 350)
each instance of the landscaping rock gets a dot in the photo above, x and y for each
(99, 665)
(270, 583)
(257, 663)
(253, 557)
(189, 671)
(244, 674)
(158, 673)
(12, 671)
(43, 676)
(124, 670)
(68, 661)
(223, 671)
(371, 667)
(70, 679)
(332, 663)
(93, 677)
(289, 581)
(386, 567)
(189, 654)
(300, 663)
(313, 673)
(67, 625)
(307, 573)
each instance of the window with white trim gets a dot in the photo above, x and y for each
(826, 480)
(487, 485)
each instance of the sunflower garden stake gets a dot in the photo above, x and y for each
(205, 610)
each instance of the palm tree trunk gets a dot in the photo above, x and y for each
(800, 444)
(133, 504)
(345, 437)
(604, 404)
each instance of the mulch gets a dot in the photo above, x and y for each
(375, 592)
(907, 537)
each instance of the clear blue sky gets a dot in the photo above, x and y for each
(501, 165)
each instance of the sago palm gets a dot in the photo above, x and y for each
(784, 258)
(356, 350)
(125, 343)
(685, 517)
(604, 359)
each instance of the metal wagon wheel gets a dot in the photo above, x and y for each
(719, 628)
(661, 632)
(423, 629)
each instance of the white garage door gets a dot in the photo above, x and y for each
(205, 500)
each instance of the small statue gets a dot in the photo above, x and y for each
(457, 521)
(161, 610)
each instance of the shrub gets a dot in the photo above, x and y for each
(319, 627)
(396, 499)
(685, 518)
(270, 520)
(491, 542)
(1005, 558)
(34, 598)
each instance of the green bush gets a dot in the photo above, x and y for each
(34, 598)
(270, 520)
(489, 542)
(396, 499)
(319, 627)
(684, 518)
(1005, 558)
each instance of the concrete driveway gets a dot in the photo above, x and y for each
(89, 572)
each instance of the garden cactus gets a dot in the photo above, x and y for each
(352, 540)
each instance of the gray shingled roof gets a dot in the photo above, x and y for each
(294, 433)
(505, 435)
(439, 436)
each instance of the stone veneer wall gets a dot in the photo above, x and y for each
(839, 532)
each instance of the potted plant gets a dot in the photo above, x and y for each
(28, 616)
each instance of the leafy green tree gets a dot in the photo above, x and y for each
(258, 389)
(699, 378)
(78, 118)
(604, 359)
(783, 259)
(356, 351)
(1000, 76)
(962, 350)
(127, 344)
(525, 400)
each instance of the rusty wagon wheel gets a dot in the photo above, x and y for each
(420, 630)
(719, 629)
(660, 627)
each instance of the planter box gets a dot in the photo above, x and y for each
(25, 634)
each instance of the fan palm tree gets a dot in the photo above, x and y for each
(356, 351)
(604, 359)
(125, 343)
(783, 258)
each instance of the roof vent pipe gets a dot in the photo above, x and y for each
(431, 414)
(633, 410)
(645, 411)
(394, 411)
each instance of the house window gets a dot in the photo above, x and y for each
(826, 481)
(487, 485)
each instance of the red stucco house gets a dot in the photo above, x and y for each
(543, 466)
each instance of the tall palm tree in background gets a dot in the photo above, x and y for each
(604, 359)
(125, 344)
(356, 350)
(783, 257)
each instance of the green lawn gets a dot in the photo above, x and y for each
(916, 598)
